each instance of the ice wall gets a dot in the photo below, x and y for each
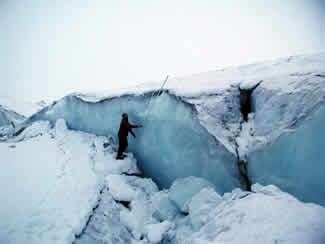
(172, 143)
(288, 150)
(295, 161)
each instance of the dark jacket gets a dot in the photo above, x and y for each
(125, 128)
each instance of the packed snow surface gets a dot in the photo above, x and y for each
(53, 178)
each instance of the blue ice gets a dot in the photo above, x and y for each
(295, 161)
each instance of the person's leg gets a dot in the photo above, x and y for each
(125, 146)
(122, 146)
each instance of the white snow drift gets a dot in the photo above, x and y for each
(50, 184)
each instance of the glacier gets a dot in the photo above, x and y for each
(227, 126)
(211, 134)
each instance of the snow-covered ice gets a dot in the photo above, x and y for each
(182, 190)
(105, 225)
(268, 216)
(51, 184)
(163, 207)
(155, 231)
(201, 205)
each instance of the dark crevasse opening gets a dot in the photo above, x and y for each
(172, 143)
(243, 175)
(246, 101)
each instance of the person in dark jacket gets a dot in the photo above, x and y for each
(125, 128)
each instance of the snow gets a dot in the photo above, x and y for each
(246, 137)
(273, 73)
(51, 184)
(267, 216)
(120, 190)
(163, 207)
(182, 190)
(105, 225)
(201, 205)
(155, 231)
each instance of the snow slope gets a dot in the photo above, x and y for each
(53, 179)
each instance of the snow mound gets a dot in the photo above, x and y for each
(201, 205)
(155, 232)
(182, 190)
(163, 207)
(120, 190)
(261, 218)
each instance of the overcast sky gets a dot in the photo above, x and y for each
(50, 48)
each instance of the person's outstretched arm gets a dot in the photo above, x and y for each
(135, 126)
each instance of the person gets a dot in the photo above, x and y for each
(125, 128)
